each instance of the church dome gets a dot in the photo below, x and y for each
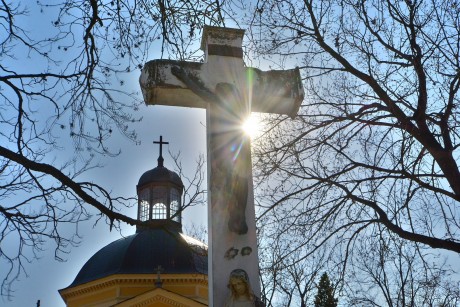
(143, 253)
(158, 241)
(160, 174)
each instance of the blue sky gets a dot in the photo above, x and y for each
(184, 129)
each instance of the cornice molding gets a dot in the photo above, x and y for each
(124, 279)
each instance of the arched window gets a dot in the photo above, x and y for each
(159, 212)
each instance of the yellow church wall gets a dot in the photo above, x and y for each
(187, 290)
(191, 290)
(118, 288)
(133, 291)
(203, 292)
(99, 298)
(158, 304)
(161, 297)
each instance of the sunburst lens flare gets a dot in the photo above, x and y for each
(251, 126)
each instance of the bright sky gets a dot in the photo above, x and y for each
(184, 129)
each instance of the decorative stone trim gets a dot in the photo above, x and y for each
(162, 299)
(118, 280)
(163, 296)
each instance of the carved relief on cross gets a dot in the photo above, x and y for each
(229, 91)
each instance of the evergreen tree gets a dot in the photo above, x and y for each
(325, 295)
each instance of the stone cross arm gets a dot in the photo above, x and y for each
(192, 84)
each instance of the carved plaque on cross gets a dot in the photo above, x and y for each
(229, 91)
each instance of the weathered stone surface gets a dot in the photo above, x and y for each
(276, 91)
(229, 92)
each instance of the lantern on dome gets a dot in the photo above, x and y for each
(159, 193)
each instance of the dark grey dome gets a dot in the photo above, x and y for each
(160, 174)
(143, 252)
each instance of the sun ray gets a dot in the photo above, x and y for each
(251, 126)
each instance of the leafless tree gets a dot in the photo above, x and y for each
(373, 153)
(390, 271)
(287, 278)
(62, 83)
(194, 192)
(374, 149)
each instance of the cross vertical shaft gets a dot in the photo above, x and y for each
(229, 91)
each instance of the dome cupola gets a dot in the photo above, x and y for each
(159, 193)
(157, 264)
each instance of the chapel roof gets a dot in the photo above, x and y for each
(160, 174)
(143, 252)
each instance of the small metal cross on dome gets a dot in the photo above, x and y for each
(158, 282)
(160, 158)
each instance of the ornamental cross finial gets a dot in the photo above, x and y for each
(160, 158)
(158, 282)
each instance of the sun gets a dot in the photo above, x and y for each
(251, 126)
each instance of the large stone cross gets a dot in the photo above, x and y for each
(229, 91)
